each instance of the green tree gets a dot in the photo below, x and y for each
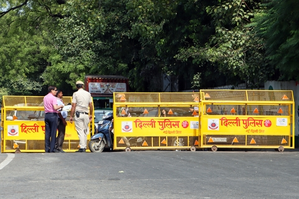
(21, 58)
(233, 47)
(278, 26)
(204, 42)
(110, 37)
(26, 43)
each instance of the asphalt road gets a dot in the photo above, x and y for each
(150, 174)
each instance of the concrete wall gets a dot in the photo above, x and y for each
(287, 85)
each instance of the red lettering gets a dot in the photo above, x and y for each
(29, 128)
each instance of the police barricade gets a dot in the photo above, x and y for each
(247, 119)
(156, 120)
(22, 119)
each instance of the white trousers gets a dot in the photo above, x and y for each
(81, 124)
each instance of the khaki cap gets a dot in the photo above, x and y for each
(79, 82)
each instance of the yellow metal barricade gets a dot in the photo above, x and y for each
(22, 119)
(156, 120)
(247, 119)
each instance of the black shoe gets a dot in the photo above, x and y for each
(81, 150)
(59, 151)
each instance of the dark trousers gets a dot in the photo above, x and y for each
(50, 133)
(61, 134)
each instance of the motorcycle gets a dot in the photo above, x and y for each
(104, 136)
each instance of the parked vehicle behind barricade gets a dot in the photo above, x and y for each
(106, 118)
(104, 137)
(99, 120)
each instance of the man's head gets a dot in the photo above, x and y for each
(59, 94)
(79, 84)
(52, 90)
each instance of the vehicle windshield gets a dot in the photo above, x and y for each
(98, 116)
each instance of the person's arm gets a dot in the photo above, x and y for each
(72, 112)
(74, 103)
(90, 111)
(62, 119)
(56, 107)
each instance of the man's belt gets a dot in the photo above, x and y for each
(78, 113)
(83, 113)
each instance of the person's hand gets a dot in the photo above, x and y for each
(64, 122)
(90, 118)
(71, 119)
(60, 108)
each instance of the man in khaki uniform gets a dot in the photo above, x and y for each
(80, 103)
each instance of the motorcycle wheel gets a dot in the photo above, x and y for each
(93, 146)
(177, 142)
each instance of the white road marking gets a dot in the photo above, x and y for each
(8, 159)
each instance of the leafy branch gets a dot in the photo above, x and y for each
(13, 8)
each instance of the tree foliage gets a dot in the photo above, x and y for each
(233, 46)
(25, 44)
(200, 44)
(278, 26)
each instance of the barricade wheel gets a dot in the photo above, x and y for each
(214, 148)
(128, 149)
(193, 148)
(280, 148)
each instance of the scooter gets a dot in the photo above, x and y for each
(104, 137)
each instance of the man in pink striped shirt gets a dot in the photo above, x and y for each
(51, 117)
